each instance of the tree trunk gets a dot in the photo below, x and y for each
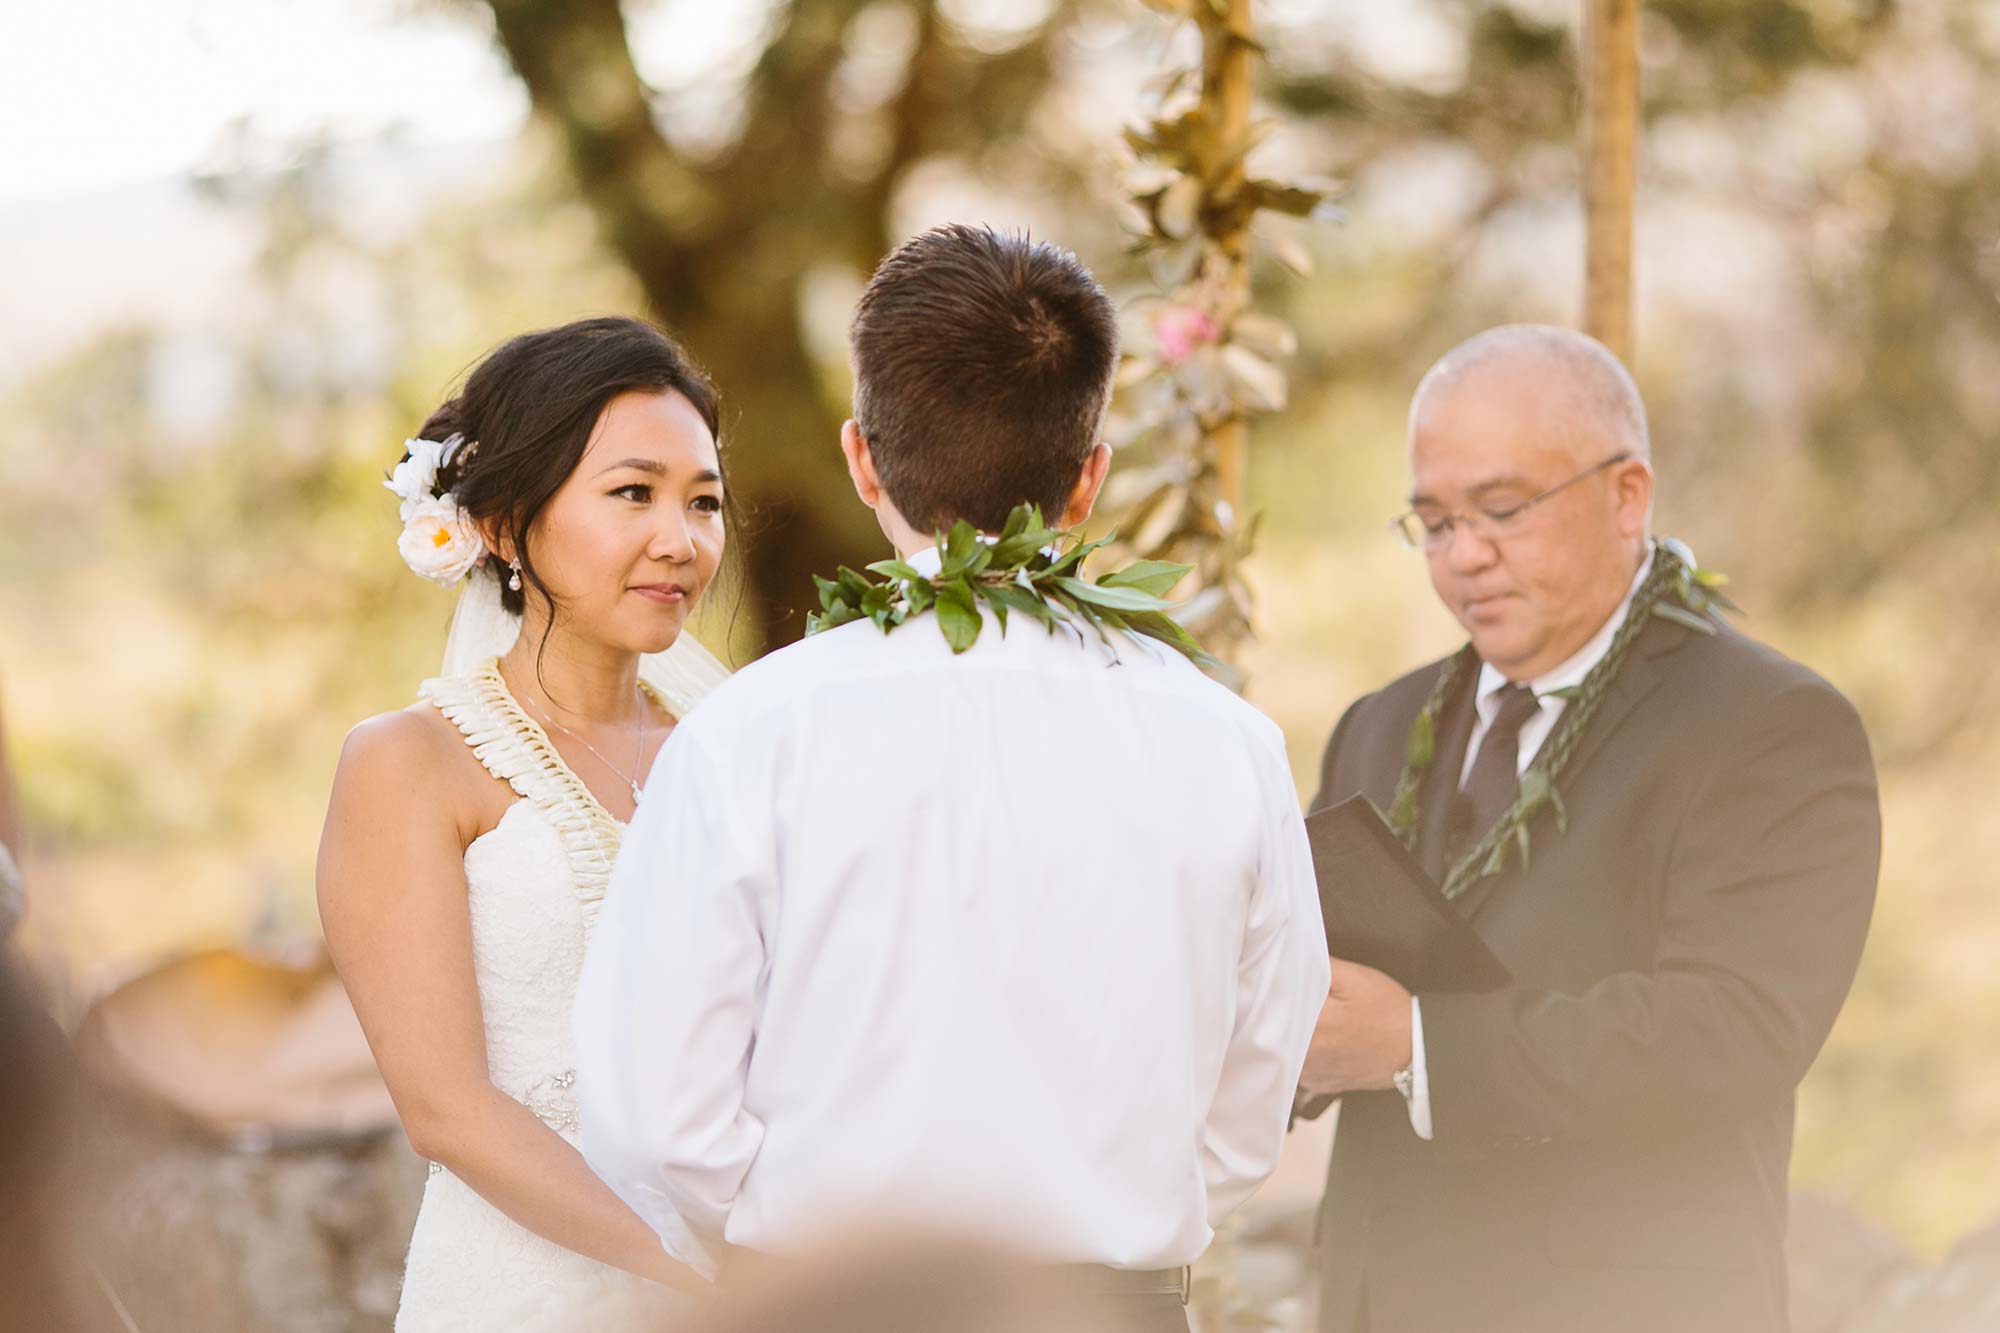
(1225, 76)
(782, 446)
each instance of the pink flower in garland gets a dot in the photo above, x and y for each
(1180, 329)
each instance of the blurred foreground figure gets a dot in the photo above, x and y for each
(12, 901)
(883, 1283)
(1666, 831)
(43, 1284)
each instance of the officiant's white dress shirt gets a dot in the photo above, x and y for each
(1534, 731)
(1023, 944)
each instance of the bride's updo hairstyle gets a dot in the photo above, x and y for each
(527, 412)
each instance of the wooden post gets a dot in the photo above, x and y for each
(1610, 168)
(1226, 81)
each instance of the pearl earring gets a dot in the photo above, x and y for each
(514, 583)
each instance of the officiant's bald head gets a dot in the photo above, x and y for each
(1531, 490)
(1582, 395)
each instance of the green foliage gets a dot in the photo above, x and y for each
(1029, 569)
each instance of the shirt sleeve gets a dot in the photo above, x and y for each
(1281, 986)
(667, 1004)
(1420, 1074)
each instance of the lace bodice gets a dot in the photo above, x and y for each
(534, 882)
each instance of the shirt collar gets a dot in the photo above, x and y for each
(1572, 671)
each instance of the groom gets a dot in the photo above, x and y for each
(1020, 944)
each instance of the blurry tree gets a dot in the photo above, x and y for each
(723, 239)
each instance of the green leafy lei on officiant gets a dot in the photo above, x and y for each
(1675, 589)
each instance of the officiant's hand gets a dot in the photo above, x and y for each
(1363, 1036)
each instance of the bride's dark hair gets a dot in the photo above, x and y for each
(527, 411)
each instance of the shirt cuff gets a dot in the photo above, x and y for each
(1420, 1078)
(676, 1237)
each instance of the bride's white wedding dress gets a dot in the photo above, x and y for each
(534, 882)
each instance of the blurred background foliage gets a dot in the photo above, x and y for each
(198, 585)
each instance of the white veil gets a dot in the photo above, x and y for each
(482, 628)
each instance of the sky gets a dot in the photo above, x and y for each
(96, 94)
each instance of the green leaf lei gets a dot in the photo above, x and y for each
(1675, 590)
(1030, 568)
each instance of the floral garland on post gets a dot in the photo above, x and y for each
(1676, 589)
(1030, 569)
(1207, 363)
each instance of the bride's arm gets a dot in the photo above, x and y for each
(392, 898)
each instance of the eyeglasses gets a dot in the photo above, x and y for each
(1486, 522)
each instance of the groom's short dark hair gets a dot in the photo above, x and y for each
(982, 365)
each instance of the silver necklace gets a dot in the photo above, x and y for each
(638, 748)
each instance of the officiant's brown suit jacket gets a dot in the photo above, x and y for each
(1612, 1133)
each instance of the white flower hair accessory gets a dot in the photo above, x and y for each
(439, 541)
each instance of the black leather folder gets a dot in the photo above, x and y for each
(1383, 911)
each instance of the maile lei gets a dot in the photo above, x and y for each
(1029, 568)
(1675, 589)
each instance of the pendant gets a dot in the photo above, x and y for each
(635, 793)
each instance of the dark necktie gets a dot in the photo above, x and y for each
(1494, 781)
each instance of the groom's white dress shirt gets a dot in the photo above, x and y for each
(1023, 944)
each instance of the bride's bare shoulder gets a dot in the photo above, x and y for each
(414, 751)
(416, 737)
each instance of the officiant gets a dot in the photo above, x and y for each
(1669, 835)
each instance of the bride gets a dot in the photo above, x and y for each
(575, 484)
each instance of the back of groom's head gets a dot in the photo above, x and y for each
(982, 366)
